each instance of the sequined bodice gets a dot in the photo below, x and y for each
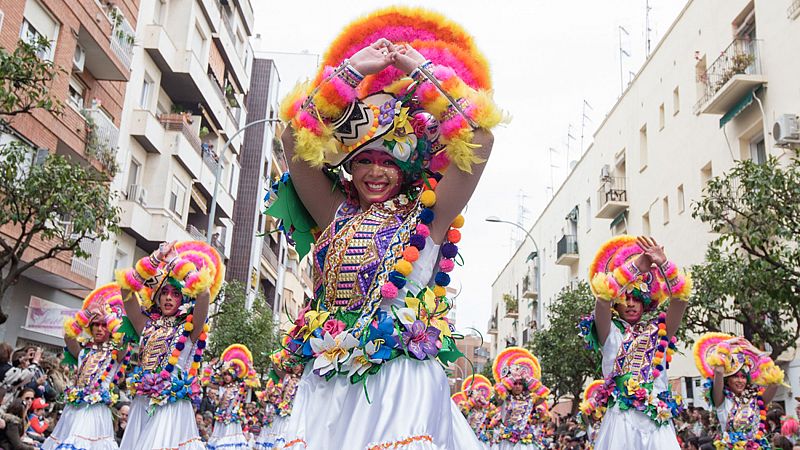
(477, 418)
(94, 361)
(517, 411)
(635, 355)
(744, 415)
(158, 338)
(228, 398)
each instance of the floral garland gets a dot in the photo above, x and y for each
(227, 415)
(164, 387)
(90, 395)
(419, 330)
(629, 393)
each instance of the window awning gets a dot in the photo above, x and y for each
(740, 106)
(620, 217)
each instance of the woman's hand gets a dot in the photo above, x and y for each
(374, 58)
(407, 58)
(651, 248)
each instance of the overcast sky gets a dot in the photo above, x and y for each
(546, 58)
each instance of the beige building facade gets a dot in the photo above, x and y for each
(707, 96)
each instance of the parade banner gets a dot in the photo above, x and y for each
(47, 317)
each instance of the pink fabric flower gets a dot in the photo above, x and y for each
(333, 327)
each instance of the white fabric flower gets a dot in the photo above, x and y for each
(332, 351)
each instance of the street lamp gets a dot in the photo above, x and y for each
(534, 255)
(213, 210)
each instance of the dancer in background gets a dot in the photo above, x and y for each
(630, 278)
(481, 414)
(167, 295)
(235, 376)
(741, 381)
(517, 386)
(96, 343)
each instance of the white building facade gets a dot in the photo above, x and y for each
(706, 97)
(190, 74)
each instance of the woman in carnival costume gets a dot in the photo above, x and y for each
(740, 381)
(402, 94)
(630, 277)
(167, 295)
(235, 377)
(591, 414)
(269, 398)
(480, 413)
(86, 422)
(282, 398)
(521, 396)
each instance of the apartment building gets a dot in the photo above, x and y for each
(93, 42)
(475, 360)
(179, 146)
(707, 97)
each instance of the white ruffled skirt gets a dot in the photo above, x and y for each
(272, 437)
(172, 426)
(83, 428)
(227, 437)
(409, 408)
(509, 446)
(633, 430)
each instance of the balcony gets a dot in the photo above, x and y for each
(567, 250)
(734, 74)
(529, 288)
(185, 142)
(200, 235)
(493, 326)
(612, 197)
(147, 130)
(268, 254)
(512, 306)
(123, 37)
(102, 138)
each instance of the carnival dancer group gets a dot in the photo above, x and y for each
(385, 147)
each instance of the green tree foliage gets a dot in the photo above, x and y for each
(44, 197)
(235, 324)
(566, 364)
(752, 271)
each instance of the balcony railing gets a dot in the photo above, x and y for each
(567, 250)
(200, 235)
(612, 197)
(87, 267)
(268, 254)
(493, 325)
(742, 57)
(178, 122)
(102, 137)
(123, 37)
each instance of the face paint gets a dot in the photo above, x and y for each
(169, 300)
(376, 177)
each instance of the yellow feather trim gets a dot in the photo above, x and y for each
(601, 287)
(204, 282)
(460, 152)
(487, 114)
(312, 148)
(770, 374)
(69, 331)
(298, 93)
(185, 269)
(686, 290)
(122, 280)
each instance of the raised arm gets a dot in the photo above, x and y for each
(73, 347)
(676, 283)
(718, 386)
(602, 319)
(200, 314)
(133, 310)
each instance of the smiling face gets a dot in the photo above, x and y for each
(100, 332)
(169, 300)
(631, 311)
(376, 177)
(737, 382)
(227, 378)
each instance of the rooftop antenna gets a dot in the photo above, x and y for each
(622, 52)
(551, 150)
(569, 137)
(584, 118)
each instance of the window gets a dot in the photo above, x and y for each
(661, 118)
(665, 206)
(676, 101)
(2, 16)
(76, 93)
(588, 214)
(234, 179)
(177, 197)
(158, 12)
(643, 148)
(38, 22)
(758, 150)
(147, 89)
(198, 40)
(681, 200)
(646, 224)
(133, 172)
(705, 174)
(120, 260)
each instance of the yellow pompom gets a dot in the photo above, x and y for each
(458, 222)
(189, 326)
(439, 291)
(403, 267)
(172, 360)
(428, 198)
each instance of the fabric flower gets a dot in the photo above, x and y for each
(403, 136)
(333, 327)
(381, 336)
(331, 351)
(421, 341)
(313, 320)
(362, 359)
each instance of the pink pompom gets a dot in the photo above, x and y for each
(656, 373)
(447, 265)
(388, 290)
(164, 374)
(423, 230)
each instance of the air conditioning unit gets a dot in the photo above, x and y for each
(605, 172)
(786, 130)
(78, 59)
